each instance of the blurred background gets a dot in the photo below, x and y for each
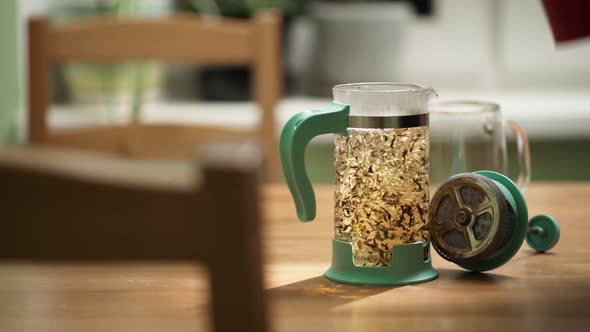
(496, 50)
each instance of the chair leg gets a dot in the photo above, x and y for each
(235, 257)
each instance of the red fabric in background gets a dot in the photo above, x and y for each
(569, 19)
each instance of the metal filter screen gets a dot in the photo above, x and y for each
(469, 218)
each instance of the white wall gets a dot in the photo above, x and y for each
(450, 49)
(492, 44)
(529, 54)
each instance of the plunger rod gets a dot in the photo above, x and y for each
(536, 230)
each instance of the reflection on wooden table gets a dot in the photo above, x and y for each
(532, 292)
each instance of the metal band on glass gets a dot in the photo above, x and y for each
(382, 122)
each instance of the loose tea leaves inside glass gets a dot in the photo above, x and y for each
(381, 191)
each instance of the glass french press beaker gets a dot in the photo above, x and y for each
(381, 180)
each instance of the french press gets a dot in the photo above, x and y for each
(381, 137)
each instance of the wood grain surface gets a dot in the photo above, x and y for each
(533, 292)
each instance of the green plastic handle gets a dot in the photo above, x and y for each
(298, 131)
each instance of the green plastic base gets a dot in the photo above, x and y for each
(408, 267)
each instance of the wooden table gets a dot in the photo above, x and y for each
(533, 292)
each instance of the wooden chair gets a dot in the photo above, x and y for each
(62, 206)
(179, 38)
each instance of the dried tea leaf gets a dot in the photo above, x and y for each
(381, 191)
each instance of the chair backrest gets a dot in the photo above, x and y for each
(178, 38)
(60, 206)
